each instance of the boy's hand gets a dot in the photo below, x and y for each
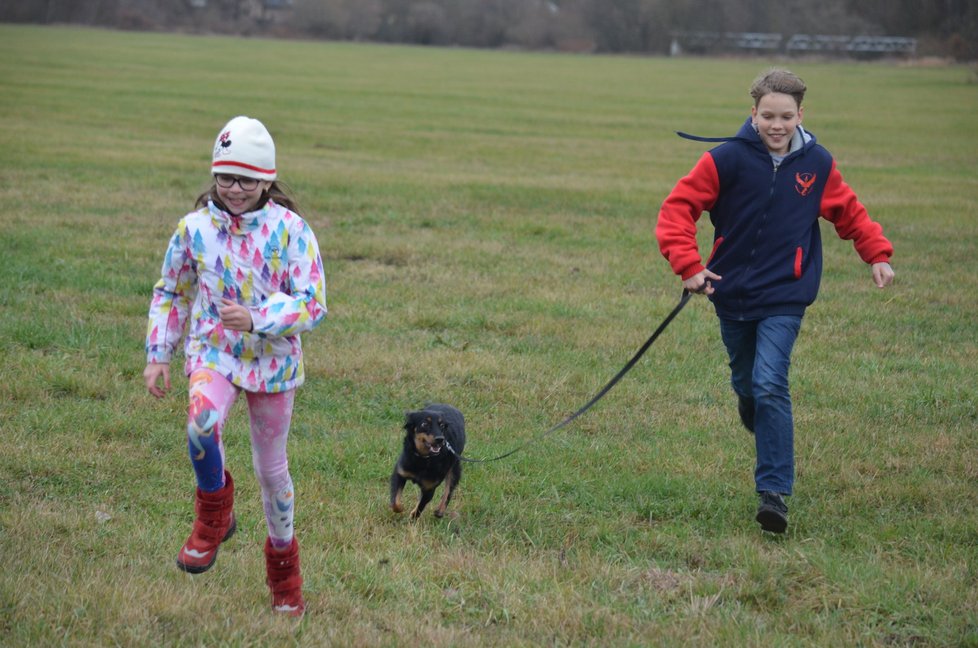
(701, 282)
(882, 274)
(151, 376)
(234, 316)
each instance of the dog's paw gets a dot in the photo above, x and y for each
(397, 508)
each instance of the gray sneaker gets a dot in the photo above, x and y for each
(772, 513)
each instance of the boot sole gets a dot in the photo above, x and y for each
(196, 569)
(287, 610)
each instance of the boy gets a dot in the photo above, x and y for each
(765, 189)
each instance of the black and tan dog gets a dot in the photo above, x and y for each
(434, 438)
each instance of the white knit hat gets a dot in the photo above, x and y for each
(244, 148)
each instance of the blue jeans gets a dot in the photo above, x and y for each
(760, 354)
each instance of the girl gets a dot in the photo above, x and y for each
(242, 277)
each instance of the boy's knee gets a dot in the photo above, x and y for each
(766, 387)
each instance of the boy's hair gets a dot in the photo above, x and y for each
(277, 192)
(778, 80)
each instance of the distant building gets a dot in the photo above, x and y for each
(703, 42)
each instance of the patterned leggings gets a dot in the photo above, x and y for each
(211, 398)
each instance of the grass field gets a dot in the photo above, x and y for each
(486, 220)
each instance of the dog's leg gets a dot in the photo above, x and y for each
(451, 481)
(397, 486)
(426, 496)
(446, 494)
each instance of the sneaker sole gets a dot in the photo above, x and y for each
(772, 522)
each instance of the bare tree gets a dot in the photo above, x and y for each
(340, 19)
(948, 27)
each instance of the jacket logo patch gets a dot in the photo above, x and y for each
(804, 183)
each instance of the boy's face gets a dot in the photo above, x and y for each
(777, 117)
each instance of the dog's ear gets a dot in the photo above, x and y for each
(410, 420)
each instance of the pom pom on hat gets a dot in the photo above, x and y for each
(244, 148)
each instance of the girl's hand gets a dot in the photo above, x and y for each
(234, 316)
(701, 282)
(882, 274)
(151, 376)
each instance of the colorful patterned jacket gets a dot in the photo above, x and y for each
(267, 260)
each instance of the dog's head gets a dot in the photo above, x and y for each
(426, 432)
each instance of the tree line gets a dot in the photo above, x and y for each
(946, 28)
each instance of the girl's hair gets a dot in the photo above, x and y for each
(278, 191)
(778, 80)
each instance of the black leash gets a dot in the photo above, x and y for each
(604, 390)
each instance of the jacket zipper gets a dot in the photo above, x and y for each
(770, 199)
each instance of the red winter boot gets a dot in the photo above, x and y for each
(214, 524)
(284, 579)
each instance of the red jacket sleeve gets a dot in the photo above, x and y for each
(675, 229)
(842, 208)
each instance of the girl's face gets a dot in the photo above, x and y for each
(238, 193)
(776, 117)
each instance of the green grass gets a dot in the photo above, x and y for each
(486, 220)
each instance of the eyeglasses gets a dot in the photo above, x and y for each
(227, 181)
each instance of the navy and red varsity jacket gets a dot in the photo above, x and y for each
(766, 241)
